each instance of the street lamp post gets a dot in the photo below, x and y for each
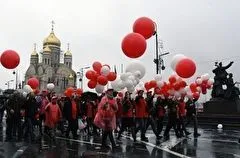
(8, 83)
(15, 72)
(158, 60)
(80, 74)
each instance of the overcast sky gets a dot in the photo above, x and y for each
(205, 30)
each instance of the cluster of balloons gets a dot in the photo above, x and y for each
(10, 59)
(131, 78)
(70, 91)
(134, 44)
(99, 76)
(183, 66)
(177, 87)
(204, 82)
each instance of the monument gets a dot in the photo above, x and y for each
(225, 95)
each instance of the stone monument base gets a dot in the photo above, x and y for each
(222, 106)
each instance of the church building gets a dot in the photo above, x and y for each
(49, 69)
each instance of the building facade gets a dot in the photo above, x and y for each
(49, 69)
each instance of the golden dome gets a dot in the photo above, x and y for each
(47, 49)
(68, 53)
(34, 53)
(52, 40)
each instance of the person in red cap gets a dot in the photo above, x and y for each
(53, 115)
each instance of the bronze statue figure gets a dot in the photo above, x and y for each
(222, 78)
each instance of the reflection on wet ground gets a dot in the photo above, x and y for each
(212, 143)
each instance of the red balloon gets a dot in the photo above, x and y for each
(33, 83)
(144, 26)
(102, 80)
(193, 87)
(69, 92)
(196, 95)
(79, 91)
(97, 66)
(111, 76)
(183, 84)
(90, 74)
(134, 45)
(147, 86)
(92, 84)
(10, 59)
(153, 84)
(186, 68)
(172, 79)
(177, 86)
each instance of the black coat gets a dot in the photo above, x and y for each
(67, 109)
(31, 107)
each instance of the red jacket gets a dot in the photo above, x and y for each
(53, 115)
(141, 106)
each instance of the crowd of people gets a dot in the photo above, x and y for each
(105, 114)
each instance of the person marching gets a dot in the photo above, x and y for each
(127, 116)
(70, 111)
(150, 114)
(140, 108)
(52, 117)
(160, 110)
(181, 120)
(43, 105)
(192, 116)
(172, 118)
(106, 118)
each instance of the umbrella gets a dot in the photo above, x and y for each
(90, 95)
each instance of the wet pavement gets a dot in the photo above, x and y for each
(212, 143)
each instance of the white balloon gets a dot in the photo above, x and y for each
(210, 82)
(189, 95)
(128, 83)
(177, 94)
(176, 58)
(131, 77)
(124, 76)
(135, 66)
(182, 91)
(205, 77)
(219, 126)
(121, 85)
(130, 89)
(24, 94)
(158, 77)
(137, 74)
(50, 86)
(199, 81)
(99, 88)
(114, 84)
(187, 89)
(105, 70)
(160, 84)
(27, 89)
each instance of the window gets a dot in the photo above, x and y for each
(48, 61)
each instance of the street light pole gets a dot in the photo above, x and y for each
(158, 60)
(81, 74)
(15, 72)
(8, 83)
